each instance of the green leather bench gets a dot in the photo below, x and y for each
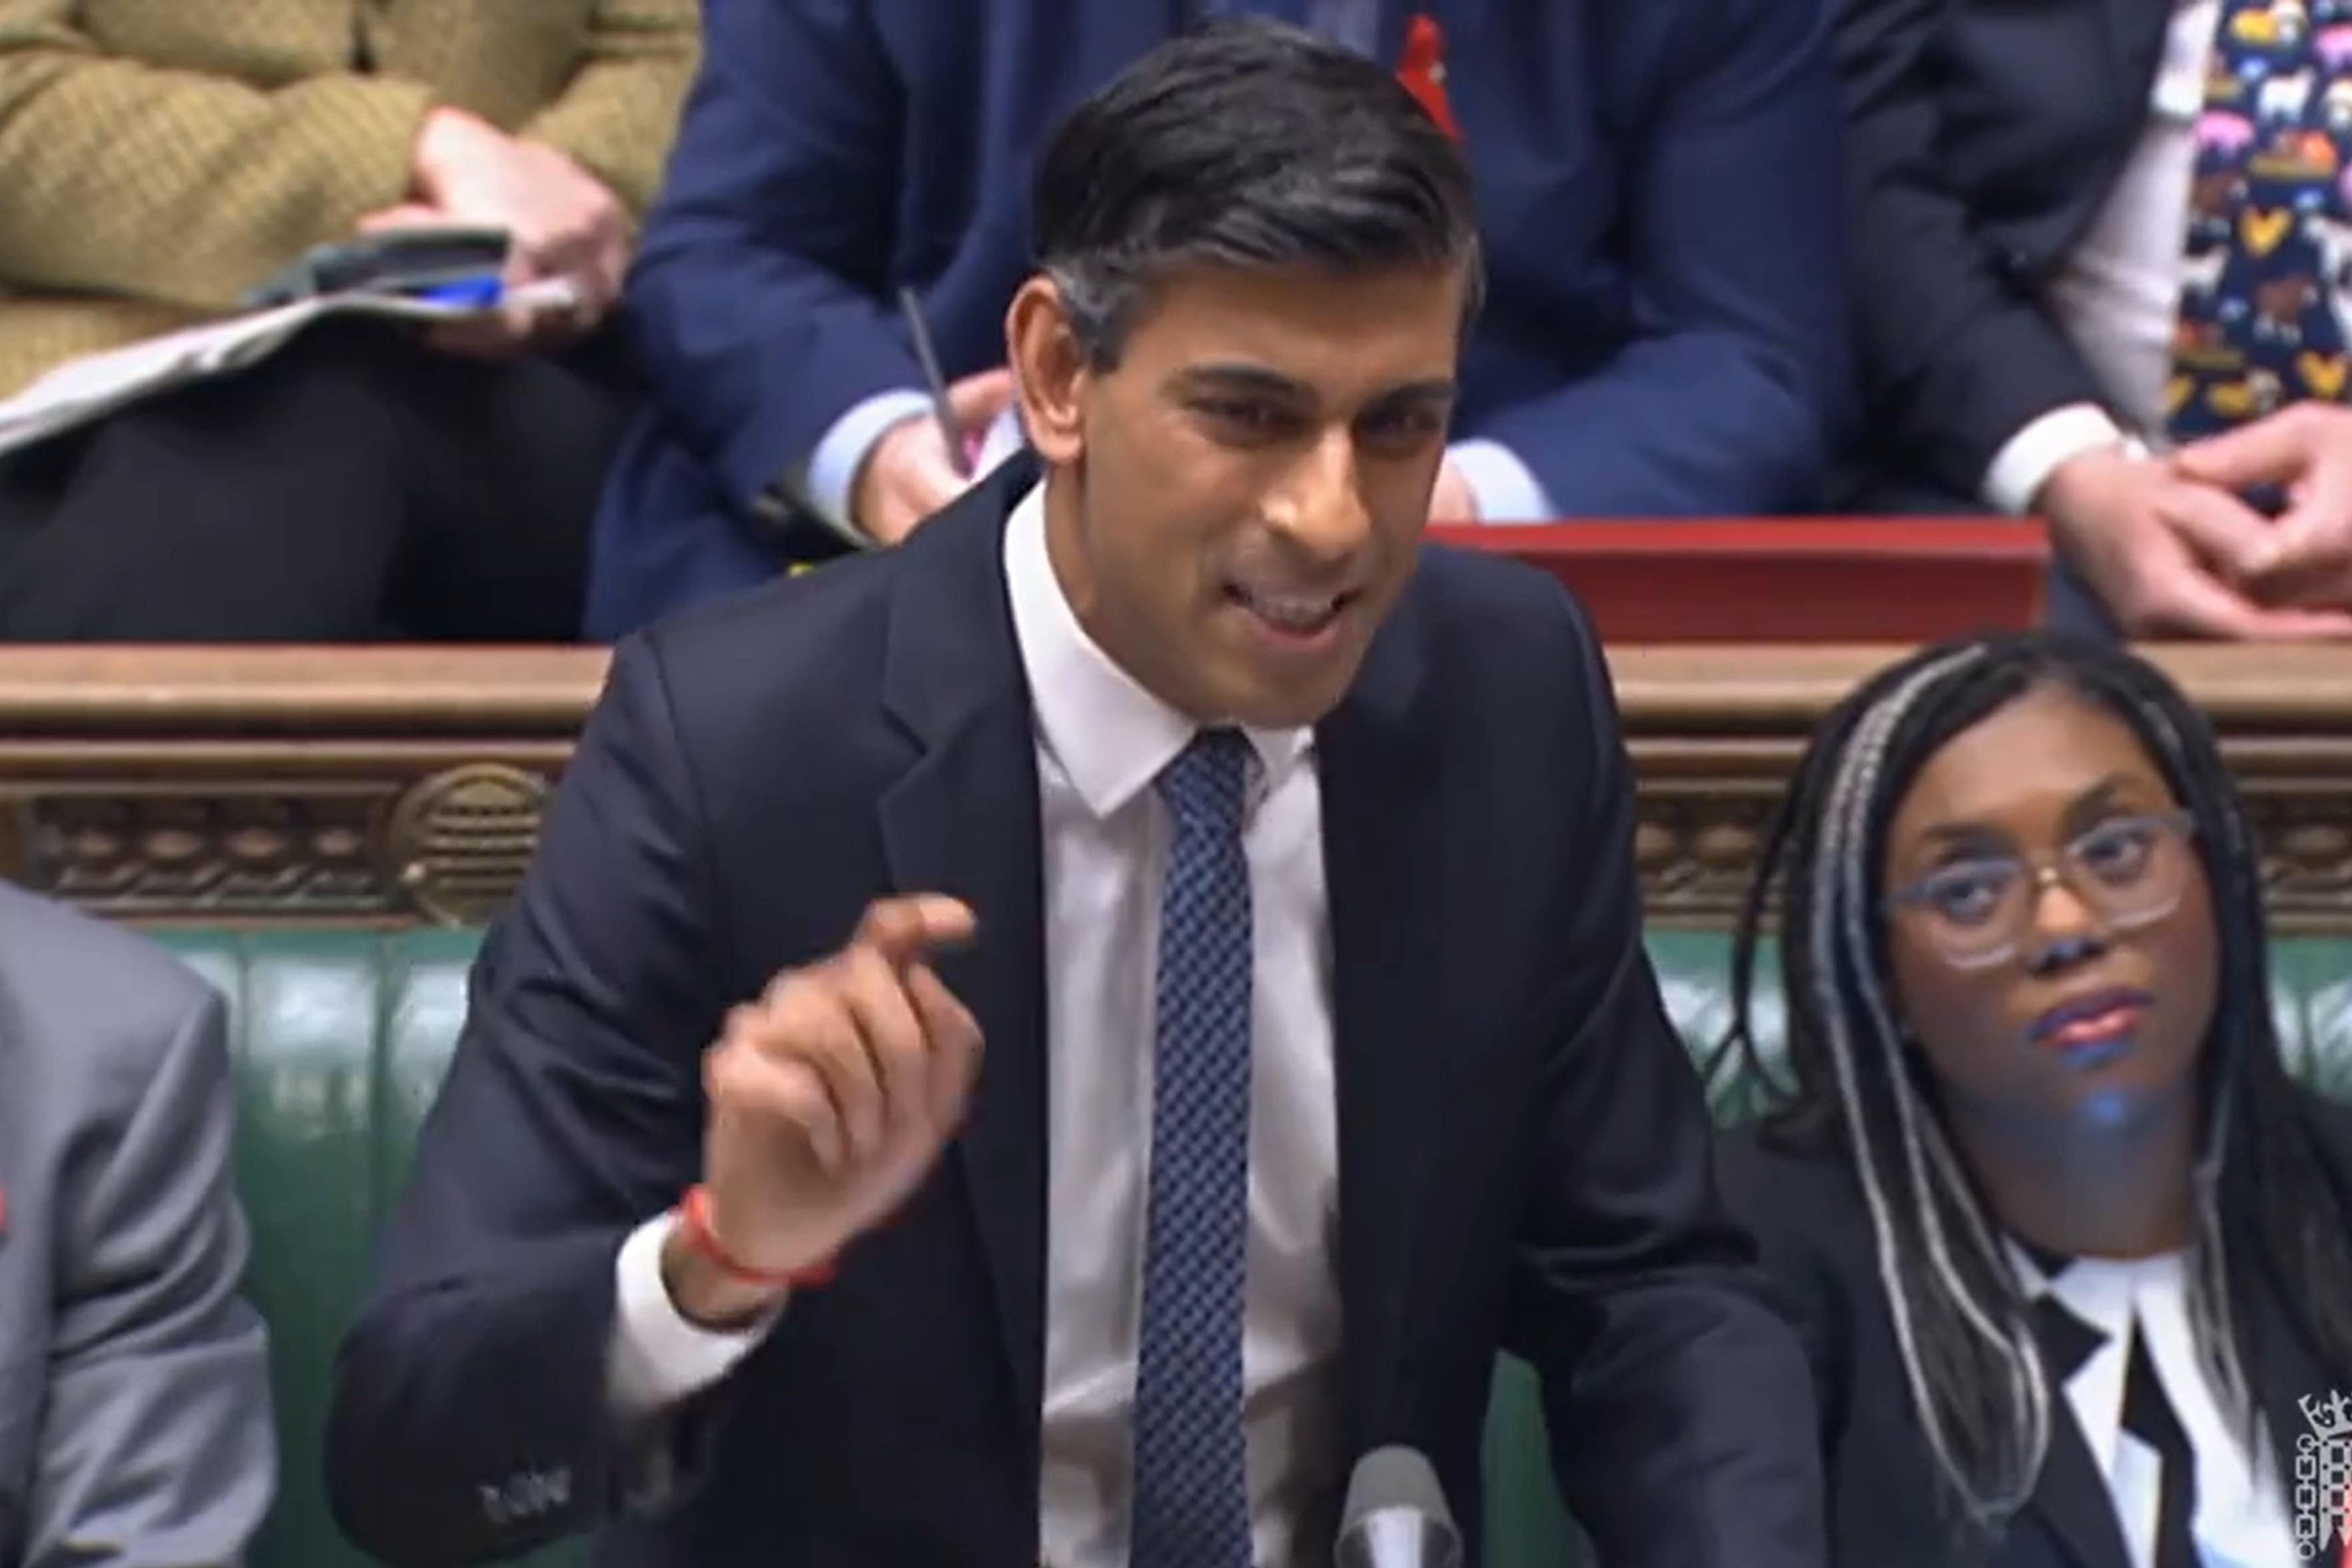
(341, 1040)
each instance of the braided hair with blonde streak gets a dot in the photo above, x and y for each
(1969, 1355)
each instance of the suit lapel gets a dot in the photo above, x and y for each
(2136, 31)
(2070, 1499)
(964, 820)
(2286, 1368)
(2283, 1375)
(1382, 855)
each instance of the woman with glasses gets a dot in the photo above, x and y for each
(2071, 1253)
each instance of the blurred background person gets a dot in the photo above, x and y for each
(2089, 236)
(2068, 1247)
(135, 1427)
(1665, 333)
(158, 161)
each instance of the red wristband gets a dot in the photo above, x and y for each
(693, 1223)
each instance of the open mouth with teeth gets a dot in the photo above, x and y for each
(1291, 615)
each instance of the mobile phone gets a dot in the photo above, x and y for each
(403, 260)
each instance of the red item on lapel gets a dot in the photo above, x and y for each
(1422, 70)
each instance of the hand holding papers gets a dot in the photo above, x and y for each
(91, 387)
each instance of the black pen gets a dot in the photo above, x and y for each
(941, 409)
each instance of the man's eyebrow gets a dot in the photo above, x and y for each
(1439, 390)
(1243, 378)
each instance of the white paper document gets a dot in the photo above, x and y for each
(95, 385)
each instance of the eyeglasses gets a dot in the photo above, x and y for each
(2128, 871)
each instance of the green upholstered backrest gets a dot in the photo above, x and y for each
(341, 1039)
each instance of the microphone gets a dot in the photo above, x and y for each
(1395, 1516)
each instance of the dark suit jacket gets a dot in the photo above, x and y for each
(1883, 1492)
(1982, 136)
(1523, 1148)
(1665, 331)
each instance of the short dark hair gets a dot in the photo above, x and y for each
(2262, 1183)
(1244, 143)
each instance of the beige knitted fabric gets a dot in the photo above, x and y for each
(160, 157)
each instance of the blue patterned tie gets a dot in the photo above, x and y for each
(1192, 1496)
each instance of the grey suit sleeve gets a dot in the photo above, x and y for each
(155, 1447)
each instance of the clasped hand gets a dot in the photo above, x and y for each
(2174, 550)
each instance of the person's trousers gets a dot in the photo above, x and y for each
(358, 486)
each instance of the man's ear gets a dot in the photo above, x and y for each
(1050, 368)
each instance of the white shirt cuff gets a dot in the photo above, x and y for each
(842, 451)
(657, 1357)
(1506, 490)
(2027, 459)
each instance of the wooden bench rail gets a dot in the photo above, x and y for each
(380, 787)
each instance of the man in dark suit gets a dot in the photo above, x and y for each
(1198, 1006)
(2090, 238)
(1656, 193)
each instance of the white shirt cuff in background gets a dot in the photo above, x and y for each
(2027, 459)
(1506, 489)
(656, 1358)
(842, 451)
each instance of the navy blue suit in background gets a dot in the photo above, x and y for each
(1658, 187)
(1524, 1150)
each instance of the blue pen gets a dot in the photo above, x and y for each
(479, 292)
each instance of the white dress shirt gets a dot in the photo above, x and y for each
(1101, 741)
(2240, 1519)
(2119, 291)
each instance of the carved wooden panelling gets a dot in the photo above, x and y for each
(390, 788)
(157, 849)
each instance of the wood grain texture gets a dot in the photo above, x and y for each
(384, 787)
